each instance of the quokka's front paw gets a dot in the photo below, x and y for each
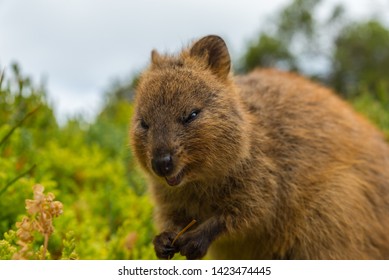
(163, 245)
(192, 245)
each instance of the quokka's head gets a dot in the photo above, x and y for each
(188, 123)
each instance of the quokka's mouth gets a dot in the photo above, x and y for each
(175, 180)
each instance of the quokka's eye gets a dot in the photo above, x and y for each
(143, 124)
(193, 115)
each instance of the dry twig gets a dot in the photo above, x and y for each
(183, 231)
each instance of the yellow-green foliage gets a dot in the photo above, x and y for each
(88, 167)
(375, 108)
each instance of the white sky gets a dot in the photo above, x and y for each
(80, 46)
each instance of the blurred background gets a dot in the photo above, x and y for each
(67, 76)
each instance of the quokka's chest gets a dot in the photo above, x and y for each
(194, 205)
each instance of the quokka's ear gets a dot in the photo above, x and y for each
(214, 51)
(155, 57)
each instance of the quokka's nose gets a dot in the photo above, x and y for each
(163, 165)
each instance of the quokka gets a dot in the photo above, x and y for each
(269, 164)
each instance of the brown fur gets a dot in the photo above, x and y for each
(274, 166)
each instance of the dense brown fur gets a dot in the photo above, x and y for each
(274, 166)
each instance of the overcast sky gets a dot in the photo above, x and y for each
(81, 46)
